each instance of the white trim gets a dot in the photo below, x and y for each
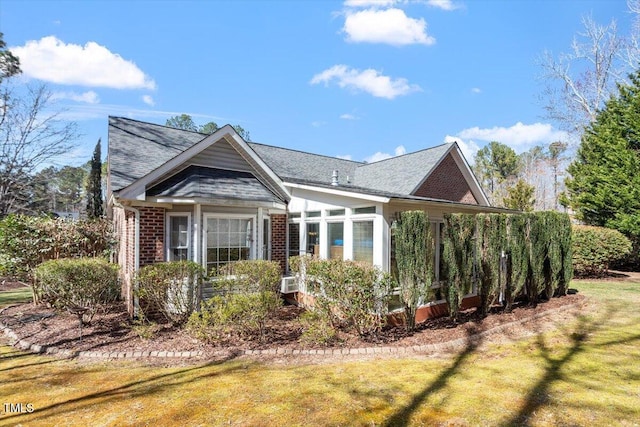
(344, 193)
(167, 238)
(219, 201)
(253, 248)
(137, 189)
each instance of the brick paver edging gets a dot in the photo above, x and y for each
(456, 344)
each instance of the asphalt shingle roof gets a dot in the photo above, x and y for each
(137, 148)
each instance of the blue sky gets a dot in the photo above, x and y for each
(358, 79)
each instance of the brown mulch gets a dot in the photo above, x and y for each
(113, 330)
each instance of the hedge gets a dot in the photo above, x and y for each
(595, 248)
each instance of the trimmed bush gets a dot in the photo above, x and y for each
(251, 276)
(84, 282)
(170, 289)
(594, 248)
(347, 292)
(27, 241)
(459, 253)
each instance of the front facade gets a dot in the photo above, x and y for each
(215, 199)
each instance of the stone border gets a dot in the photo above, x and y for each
(456, 344)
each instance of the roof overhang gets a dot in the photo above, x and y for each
(339, 192)
(137, 190)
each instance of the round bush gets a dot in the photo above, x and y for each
(594, 248)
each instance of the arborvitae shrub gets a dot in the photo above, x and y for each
(490, 241)
(459, 253)
(518, 258)
(594, 248)
(414, 258)
(66, 283)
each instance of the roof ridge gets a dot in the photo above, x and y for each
(409, 154)
(306, 152)
(158, 125)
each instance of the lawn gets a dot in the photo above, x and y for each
(584, 373)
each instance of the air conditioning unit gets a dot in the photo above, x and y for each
(289, 285)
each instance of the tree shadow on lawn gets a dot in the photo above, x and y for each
(144, 387)
(403, 415)
(539, 394)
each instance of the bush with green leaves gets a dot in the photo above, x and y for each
(459, 258)
(348, 292)
(66, 283)
(414, 249)
(170, 289)
(246, 295)
(595, 248)
(317, 328)
(27, 241)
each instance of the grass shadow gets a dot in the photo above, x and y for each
(402, 417)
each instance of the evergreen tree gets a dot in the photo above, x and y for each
(520, 197)
(94, 185)
(604, 188)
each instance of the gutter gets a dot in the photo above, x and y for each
(136, 252)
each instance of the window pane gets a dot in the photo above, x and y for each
(336, 239)
(336, 212)
(313, 239)
(294, 239)
(363, 241)
(367, 210)
(228, 240)
(312, 214)
(178, 237)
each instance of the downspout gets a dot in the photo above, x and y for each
(136, 253)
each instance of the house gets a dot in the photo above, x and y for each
(214, 199)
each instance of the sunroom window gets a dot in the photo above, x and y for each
(363, 241)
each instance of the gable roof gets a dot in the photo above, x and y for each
(137, 150)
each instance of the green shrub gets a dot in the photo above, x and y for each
(251, 276)
(459, 257)
(414, 248)
(594, 248)
(350, 292)
(85, 282)
(317, 329)
(27, 241)
(170, 289)
(241, 314)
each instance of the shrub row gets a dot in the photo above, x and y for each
(89, 283)
(27, 241)
(536, 263)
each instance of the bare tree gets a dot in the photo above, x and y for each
(30, 136)
(577, 84)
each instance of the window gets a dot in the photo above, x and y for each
(294, 239)
(266, 238)
(335, 232)
(312, 214)
(367, 210)
(313, 239)
(178, 237)
(335, 212)
(228, 240)
(363, 241)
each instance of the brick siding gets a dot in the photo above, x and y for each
(151, 235)
(279, 240)
(446, 182)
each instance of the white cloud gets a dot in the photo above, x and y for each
(476, 90)
(468, 148)
(89, 97)
(369, 3)
(369, 80)
(93, 65)
(347, 116)
(399, 151)
(519, 136)
(443, 4)
(344, 156)
(147, 99)
(391, 26)
(318, 123)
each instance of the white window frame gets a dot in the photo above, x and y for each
(253, 249)
(168, 248)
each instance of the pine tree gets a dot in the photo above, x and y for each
(94, 185)
(604, 188)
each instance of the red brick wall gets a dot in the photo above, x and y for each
(446, 182)
(279, 240)
(151, 235)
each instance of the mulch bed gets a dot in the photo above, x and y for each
(113, 330)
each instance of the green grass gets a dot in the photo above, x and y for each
(15, 296)
(584, 373)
